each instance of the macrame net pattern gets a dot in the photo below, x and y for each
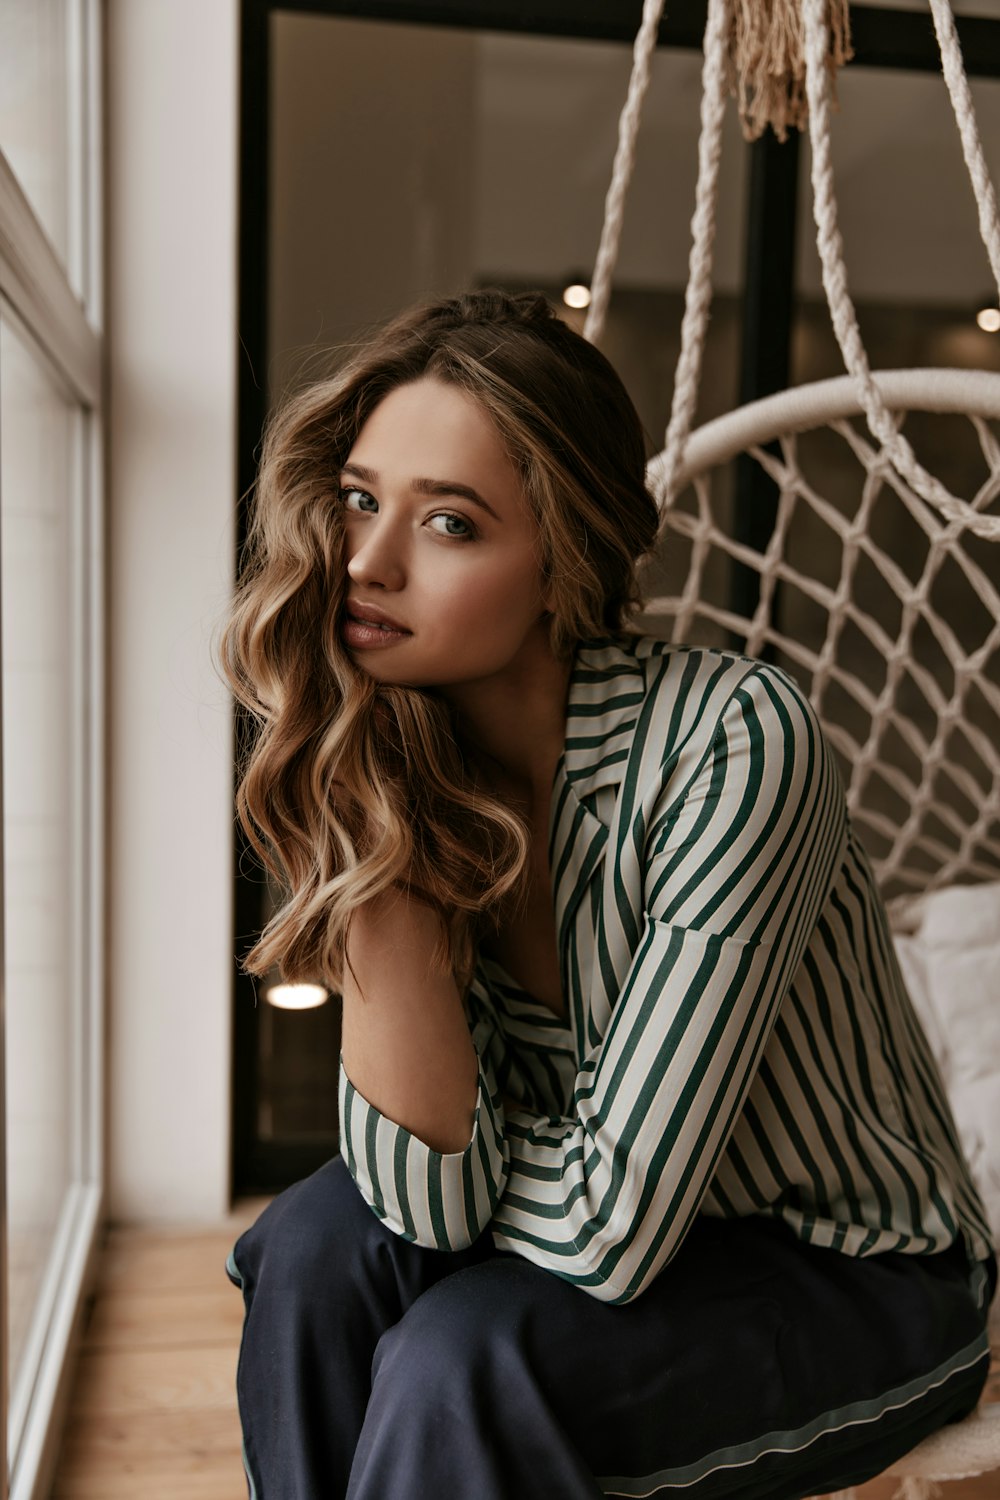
(885, 611)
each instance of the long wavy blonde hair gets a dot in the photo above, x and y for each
(348, 786)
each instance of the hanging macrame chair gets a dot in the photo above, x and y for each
(901, 658)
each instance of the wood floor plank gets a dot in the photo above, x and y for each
(216, 1481)
(125, 1319)
(124, 1382)
(184, 1263)
(160, 1436)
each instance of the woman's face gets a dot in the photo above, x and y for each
(444, 586)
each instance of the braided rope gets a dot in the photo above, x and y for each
(829, 241)
(698, 293)
(965, 116)
(621, 172)
(843, 315)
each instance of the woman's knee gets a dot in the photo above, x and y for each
(456, 1333)
(314, 1232)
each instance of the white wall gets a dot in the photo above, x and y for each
(172, 177)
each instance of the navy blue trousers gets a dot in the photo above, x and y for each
(755, 1365)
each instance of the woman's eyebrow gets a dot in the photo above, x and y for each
(426, 486)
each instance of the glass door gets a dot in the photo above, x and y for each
(51, 708)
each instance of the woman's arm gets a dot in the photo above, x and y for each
(736, 852)
(421, 1123)
(405, 1040)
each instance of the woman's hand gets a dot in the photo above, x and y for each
(405, 1040)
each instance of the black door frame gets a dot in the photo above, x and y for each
(880, 38)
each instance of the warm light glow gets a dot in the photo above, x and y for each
(576, 295)
(988, 319)
(296, 996)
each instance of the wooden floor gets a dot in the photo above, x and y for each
(153, 1413)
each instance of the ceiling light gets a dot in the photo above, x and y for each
(576, 293)
(296, 996)
(988, 318)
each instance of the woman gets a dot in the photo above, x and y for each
(648, 1182)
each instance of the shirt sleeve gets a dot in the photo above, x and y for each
(738, 846)
(442, 1200)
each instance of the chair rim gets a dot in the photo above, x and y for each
(819, 402)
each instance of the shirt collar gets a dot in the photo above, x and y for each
(606, 689)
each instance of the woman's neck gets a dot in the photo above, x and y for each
(517, 721)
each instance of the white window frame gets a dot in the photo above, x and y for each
(38, 299)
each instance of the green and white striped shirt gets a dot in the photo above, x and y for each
(738, 1038)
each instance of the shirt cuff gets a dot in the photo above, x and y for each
(442, 1200)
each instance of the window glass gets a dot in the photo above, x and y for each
(39, 483)
(35, 108)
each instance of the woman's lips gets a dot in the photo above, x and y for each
(364, 626)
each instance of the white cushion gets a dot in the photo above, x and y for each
(949, 951)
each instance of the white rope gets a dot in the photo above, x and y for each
(621, 172)
(843, 315)
(698, 294)
(965, 116)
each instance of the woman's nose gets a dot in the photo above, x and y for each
(375, 559)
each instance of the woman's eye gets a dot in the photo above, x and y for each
(447, 523)
(357, 500)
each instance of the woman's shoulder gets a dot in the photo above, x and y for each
(667, 699)
(659, 667)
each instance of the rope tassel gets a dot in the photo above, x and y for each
(766, 68)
